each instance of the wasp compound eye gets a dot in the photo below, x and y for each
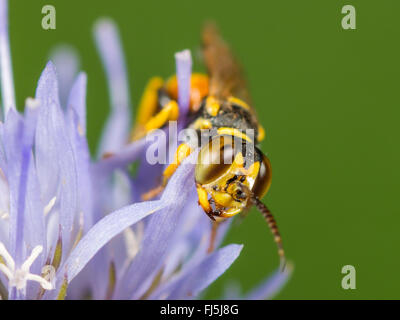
(263, 181)
(214, 159)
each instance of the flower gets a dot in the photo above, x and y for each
(165, 255)
(71, 226)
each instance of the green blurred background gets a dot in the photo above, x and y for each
(328, 98)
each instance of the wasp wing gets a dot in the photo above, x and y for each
(226, 77)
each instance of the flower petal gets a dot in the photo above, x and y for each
(159, 233)
(3, 161)
(116, 222)
(192, 227)
(76, 119)
(26, 221)
(77, 102)
(183, 73)
(191, 281)
(55, 159)
(13, 131)
(66, 60)
(7, 81)
(104, 231)
(271, 285)
(120, 159)
(117, 128)
(34, 232)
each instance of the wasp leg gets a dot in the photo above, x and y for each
(261, 133)
(152, 193)
(213, 236)
(169, 113)
(147, 107)
(201, 124)
(181, 154)
(230, 212)
(204, 203)
(218, 217)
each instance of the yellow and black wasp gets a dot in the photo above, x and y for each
(219, 103)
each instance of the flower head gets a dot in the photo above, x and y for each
(72, 226)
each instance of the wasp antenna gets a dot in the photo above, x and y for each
(273, 227)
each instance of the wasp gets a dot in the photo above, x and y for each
(219, 103)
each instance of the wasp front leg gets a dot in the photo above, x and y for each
(168, 113)
(181, 154)
(148, 118)
(217, 215)
(205, 204)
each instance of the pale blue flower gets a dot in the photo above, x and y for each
(72, 225)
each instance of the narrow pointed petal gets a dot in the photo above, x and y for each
(76, 118)
(26, 225)
(271, 285)
(55, 160)
(122, 158)
(104, 231)
(116, 222)
(3, 160)
(232, 291)
(13, 132)
(67, 63)
(192, 226)
(77, 101)
(191, 281)
(34, 232)
(183, 72)
(4, 208)
(159, 233)
(109, 45)
(7, 81)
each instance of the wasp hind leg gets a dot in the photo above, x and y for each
(181, 154)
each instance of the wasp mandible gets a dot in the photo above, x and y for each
(219, 103)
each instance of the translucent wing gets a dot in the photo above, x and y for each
(226, 77)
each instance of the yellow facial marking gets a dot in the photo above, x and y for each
(238, 161)
(223, 193)
(231, 212)
(222, 198)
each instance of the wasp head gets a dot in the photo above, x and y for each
(227, 172)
